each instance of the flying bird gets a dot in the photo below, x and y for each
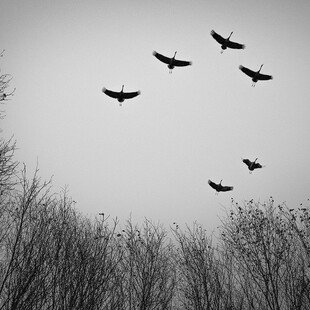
(252, 164)
(172, 62)
(256, 76)
(219, 187)
(120, 96)
(226, 42)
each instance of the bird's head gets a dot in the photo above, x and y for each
(260, 68)
(122, 88)
(230, 35)
(255, 160)
(174, 54)
(221, 182)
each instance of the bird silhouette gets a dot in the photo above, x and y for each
(3, 96)
(252, 164)
(219, 187)
(172, 62)
(226, 42)
(255, 75)
(120, 96)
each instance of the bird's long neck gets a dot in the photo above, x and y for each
(174, 55)
(221, 182)
(230, 35)
(255, 160)
(122, 88)
(260, 68)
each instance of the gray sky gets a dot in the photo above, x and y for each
(153, 156)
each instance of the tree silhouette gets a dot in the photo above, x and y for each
(263, 248)
(149, 274)
(4, 84)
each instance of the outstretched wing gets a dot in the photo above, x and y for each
(264, 77)
(227, 188)
(257, 165)
(131, 95)
(162, 58)
(181, 63)
(235, 45)
(217, 37)
(247, 71)
(110, 93)
(247, 162)
(213, 185)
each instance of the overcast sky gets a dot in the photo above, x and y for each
(153, 156)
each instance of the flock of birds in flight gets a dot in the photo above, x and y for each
(173, 62)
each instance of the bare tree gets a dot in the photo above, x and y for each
(82, 261)
(149, 280)
(4, 84)
(21, 254)
(297, 284)
(200, 272)
(52, 257)
(263, 248)
(8, 166)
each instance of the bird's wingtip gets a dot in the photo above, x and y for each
(209, 181)
(154, 53)
(104, 89)
(212, 32)
(240, 67)
(138, 92)
(243, 46)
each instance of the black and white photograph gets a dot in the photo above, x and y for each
(154, 155)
